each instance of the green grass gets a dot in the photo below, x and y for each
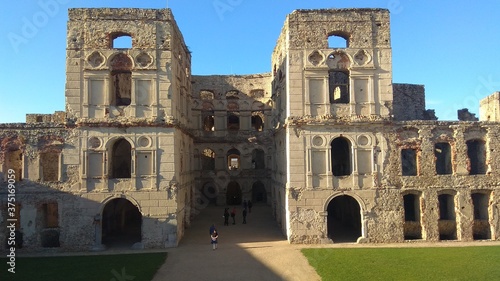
(85, 268)
(457, 263)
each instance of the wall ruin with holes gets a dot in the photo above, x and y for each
(291, 143)
(381, 199)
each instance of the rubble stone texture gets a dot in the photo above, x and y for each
(326, 139)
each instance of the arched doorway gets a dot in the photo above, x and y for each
(121, 223)
(344, 219)
(259, 193)
(233, 194)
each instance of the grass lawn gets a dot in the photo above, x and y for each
(85, 268)
(457, 263)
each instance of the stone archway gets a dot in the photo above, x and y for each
(121, 223)
(233, 194)
(344, 219)
(259, 193)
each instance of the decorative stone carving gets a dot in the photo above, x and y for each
(361, 57)
(315, 58)
(144, 141)
(96, 59)
(94, 143)
(338, 60)
(143, 59)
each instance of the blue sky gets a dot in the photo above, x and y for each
(448, 46)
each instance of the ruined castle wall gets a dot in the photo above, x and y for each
(382, 207)
(408, 102)
(489, 108)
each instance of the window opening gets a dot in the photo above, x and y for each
(477, 157)
(338, 83)
(121, 159)
(122, 42)
(481, 226)
(409, 162)
(336, 42)
(442, 152)
(341, 157)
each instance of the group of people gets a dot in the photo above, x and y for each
(214, 235)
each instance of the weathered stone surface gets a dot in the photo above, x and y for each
(339, 151)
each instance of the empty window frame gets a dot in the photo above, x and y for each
(412, 207)
(208, 159)
(14, 161)
(233, 121)
(121, 80)
(341, 157)
(412, 227)
(208, 120)
(121, 159)
(49, 166)
(476, 151)
(257, 123)
(446, 207)
(121, 41)
(338, 84)
(481, 228)
(233, 159)
(337, 41)
(442, 154)
(409, 162)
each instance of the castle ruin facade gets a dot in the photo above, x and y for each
(326, 139)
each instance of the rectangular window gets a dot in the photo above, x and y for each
(338, 84)
(50, 215)
(409, 162)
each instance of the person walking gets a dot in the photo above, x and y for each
(233, 215)
(226, 216)
(214, 239)
(244, 216)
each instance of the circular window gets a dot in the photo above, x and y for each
(144, 141)
(94, 142)
(317, 141)
(363, 140)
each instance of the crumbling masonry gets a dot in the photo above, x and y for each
(337, 150)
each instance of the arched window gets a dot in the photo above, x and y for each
(208, 121)
(341, 157)
(121, 41)
(338, 41)
(233, 159)
(121, 159)
(257, 123)
(233, 121)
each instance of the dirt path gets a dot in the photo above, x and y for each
(253, 251)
